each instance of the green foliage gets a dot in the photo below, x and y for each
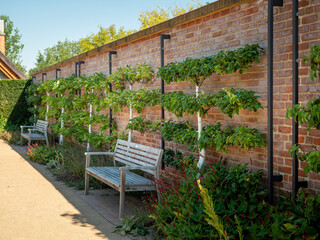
(62, 50)
(228, 101)
(212, 136)
(177, 159)
(150, 18)
(41, 154)
(180, 132)
(213, 218)
(13, 45)
(309, 115)
(180, 103)
(233, 100)
(312, 158)
(142, 125)
(141, 73)
(138, 99)
(104, 36)
(247, 138)
(233, 205)
(13, 103)
(314, 59)
(76, 115)
(234, 191)
(197, 70)
(133, 225)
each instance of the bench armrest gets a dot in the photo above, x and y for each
(98, 153)
(30, 127)
(138, 167)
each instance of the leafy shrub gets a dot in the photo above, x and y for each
(41, 153)
(13, 103)
(238, 202)
(177, 158)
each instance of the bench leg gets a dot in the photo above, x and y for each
(20, 140)
(86, 183)
(122, 193)
(47, 141)
(29, 141)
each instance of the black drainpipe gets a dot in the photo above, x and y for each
(162, 38)
(79, 67)
(33, 79)
(57, 70)
(79, 73)
(110, 87)
(271, 177)
(43, 74)
(295, 96)
(76, 69)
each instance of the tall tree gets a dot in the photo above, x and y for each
(12, 42)
(153, 17)
(104, 36)
(57, 53)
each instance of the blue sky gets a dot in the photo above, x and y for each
(43, 22)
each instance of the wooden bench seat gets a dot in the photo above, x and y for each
(35, 133)
(133, 156)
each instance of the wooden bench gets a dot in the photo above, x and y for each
(133, 156)
(37, 132)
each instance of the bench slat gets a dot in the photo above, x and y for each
(131, 161)
(139, 152)
(112, 175)
(139, 146)
(139, 158)
(34, 136)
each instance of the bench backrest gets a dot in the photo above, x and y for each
(133, 154)
(42, 126)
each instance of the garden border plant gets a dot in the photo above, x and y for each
(310, 115)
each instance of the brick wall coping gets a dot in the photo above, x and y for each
(199, 12)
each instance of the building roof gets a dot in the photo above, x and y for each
(9, 69)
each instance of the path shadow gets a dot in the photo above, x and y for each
(85, 218)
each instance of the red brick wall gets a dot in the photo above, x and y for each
(231, 27)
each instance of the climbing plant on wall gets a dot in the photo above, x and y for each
(196, 70)
(76, 115)
(310, 115)
(135, 100)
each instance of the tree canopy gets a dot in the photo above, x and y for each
(67, 49)
(13, 43)
(104, 36)
(59, 52)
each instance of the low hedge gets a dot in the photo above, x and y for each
(13, 103)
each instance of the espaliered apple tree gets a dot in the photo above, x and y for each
(135, 100)
(196, 71)
(76, 116)
(310, 115)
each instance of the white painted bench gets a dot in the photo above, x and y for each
(134, 156)
(37, 132)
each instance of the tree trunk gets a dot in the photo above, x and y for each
(47, 109)
(61, 126)
(89, 128)
(203, 151)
